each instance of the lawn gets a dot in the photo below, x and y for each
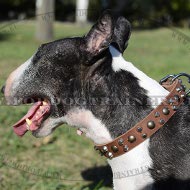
(65, 160)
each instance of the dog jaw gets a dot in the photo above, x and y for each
(81, 119)
(48, 126)
(89, 124)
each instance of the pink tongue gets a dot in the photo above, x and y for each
(20, 128)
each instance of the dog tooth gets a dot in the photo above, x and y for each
(79, 132)
(45, 103)
(28, 121)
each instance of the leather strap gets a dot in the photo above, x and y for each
(149, 125)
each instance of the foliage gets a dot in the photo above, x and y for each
(172, 10)
(166, 11)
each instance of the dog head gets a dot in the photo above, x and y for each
(72, 81)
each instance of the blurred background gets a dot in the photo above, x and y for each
(159, 45)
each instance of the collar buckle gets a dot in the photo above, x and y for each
(166, 78)
(174, 77)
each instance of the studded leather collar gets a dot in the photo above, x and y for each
(150, 124)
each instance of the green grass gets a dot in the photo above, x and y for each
(153, 51)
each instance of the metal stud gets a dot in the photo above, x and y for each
(126, 148)
(131, 138)
(170, 101)
(174, 108)
(162, 121)
(139, 129)
(165, 111)
(144, 136)
(151, 125)
(157, 114)
(104, 149)
(176, 98)
(178, 89)
(120, 142)
(182, 95)
(114, 148)
(110, 155)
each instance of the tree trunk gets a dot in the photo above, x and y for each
(82, 11)
(45, 19)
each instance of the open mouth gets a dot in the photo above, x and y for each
(33, 119)
(38, 120)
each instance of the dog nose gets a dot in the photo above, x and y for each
(3, 89)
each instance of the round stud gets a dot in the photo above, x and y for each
(174, 108)
(151, 125)
(131, 138)
(104, 149)
(114, 148)
(182, 95)
(170, 101)
(176, 98)
(110, 155)
(165, 111)
(126, 148)
(162, 121)
(120, 142)
(139, 129)
(178, 89)
(144, 136)
(157, 114)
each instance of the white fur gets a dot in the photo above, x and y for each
(17, 74)
(154, 90)
(89, 124)
(133, 160)
(14, 79)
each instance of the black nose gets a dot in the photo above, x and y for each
(3, 89)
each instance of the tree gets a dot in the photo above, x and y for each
(45, 19)
(81, 11)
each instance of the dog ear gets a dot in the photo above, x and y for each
(100, 36)
(122, 33)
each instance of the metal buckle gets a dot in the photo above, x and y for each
(182, 75)
(166, 78)
(174, 77)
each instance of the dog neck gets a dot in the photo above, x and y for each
(131, 169)
(154, 90)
